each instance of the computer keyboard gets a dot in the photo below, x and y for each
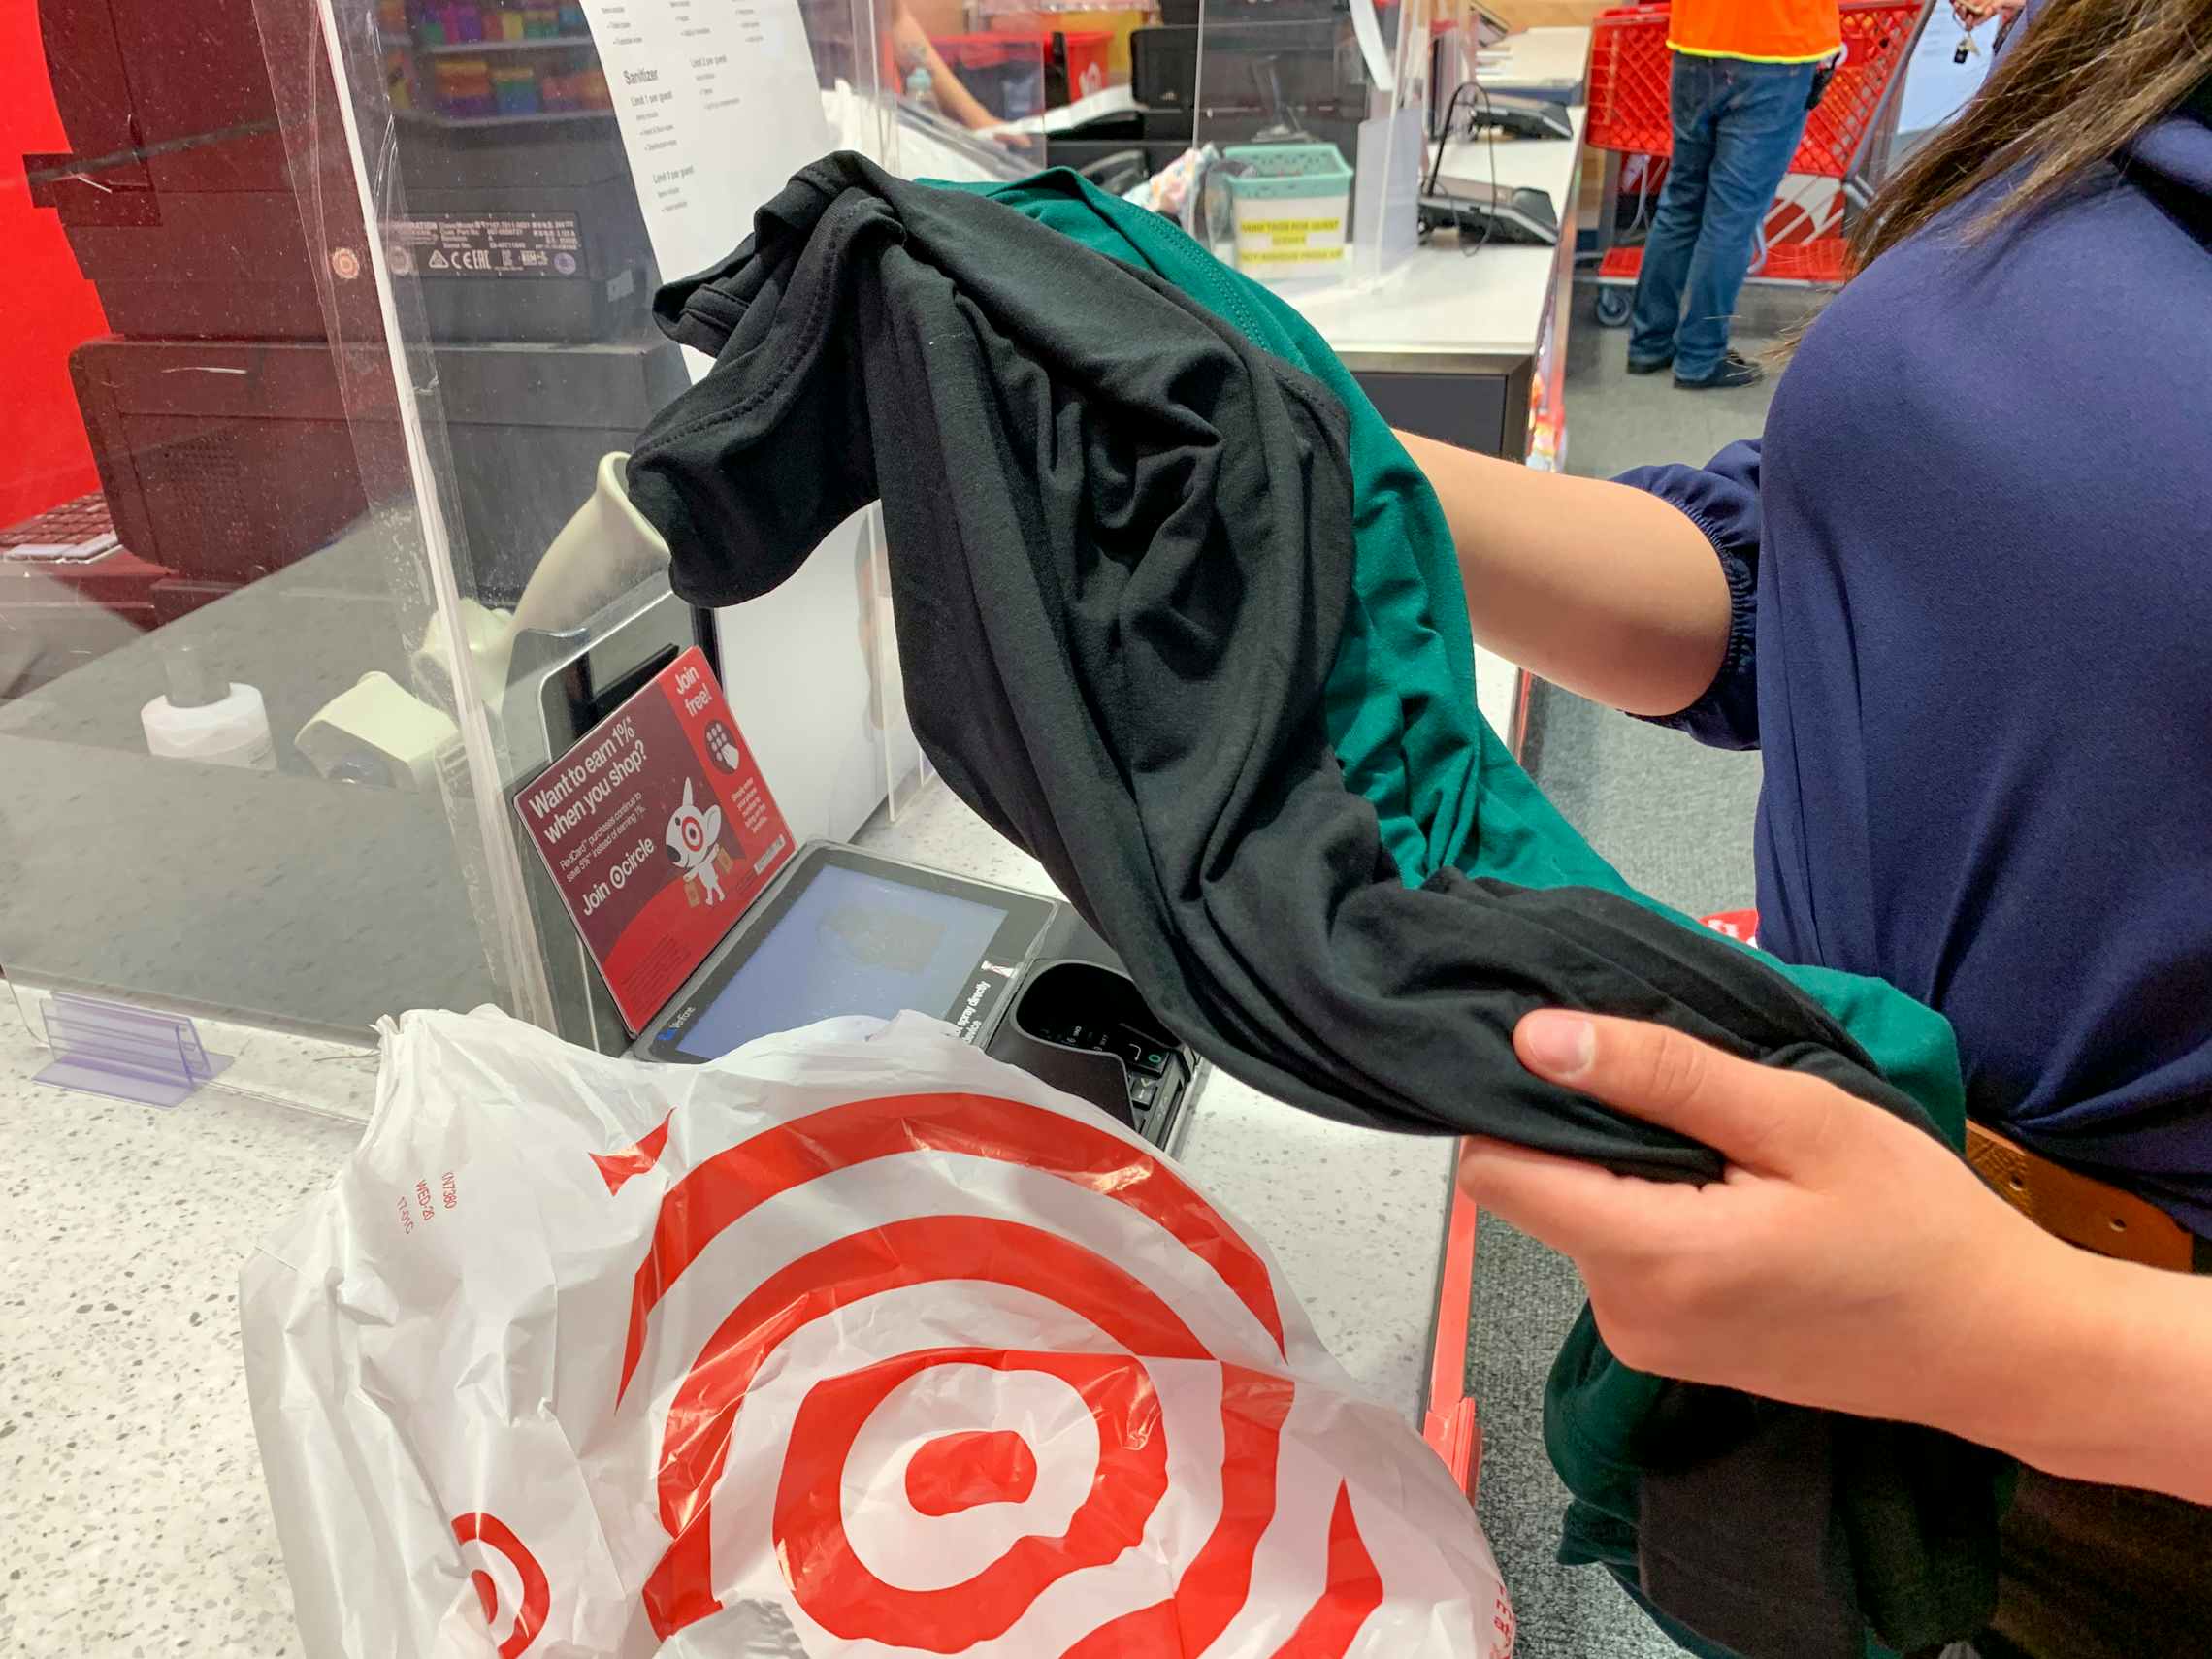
(75, 533)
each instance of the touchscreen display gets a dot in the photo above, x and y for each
(850, 943)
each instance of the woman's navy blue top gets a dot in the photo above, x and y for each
(1972, 567)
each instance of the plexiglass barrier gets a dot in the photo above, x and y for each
(1311, 120)
(315, 546)
(209, 534)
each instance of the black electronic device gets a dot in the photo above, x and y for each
(226, 460)
(183, 208)
(176, 192)
(1158, 136)
(1493, 213)
(226, 444)
(1304, 75)
(522, 232)
(1489, 28)
(1524, 117)
(1189, 14)
(843, 931)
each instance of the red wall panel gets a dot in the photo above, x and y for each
(47, 306)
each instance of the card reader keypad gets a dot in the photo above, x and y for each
(1134, 1048)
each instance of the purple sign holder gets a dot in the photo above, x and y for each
(125, 1053)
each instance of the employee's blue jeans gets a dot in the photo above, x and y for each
(1737, 125)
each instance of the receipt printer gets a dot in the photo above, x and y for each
(845, 932)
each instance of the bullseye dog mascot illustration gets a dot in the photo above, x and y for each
(694, 837)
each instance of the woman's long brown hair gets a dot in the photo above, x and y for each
(2086, 77)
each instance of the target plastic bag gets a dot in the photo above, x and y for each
(857, 1343)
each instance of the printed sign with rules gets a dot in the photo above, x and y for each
(659, 831)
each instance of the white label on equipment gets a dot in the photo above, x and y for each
(489, 244)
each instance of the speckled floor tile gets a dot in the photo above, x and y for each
(131, 1501)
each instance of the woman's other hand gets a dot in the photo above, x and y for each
(1845, 1260)
(1974, 14)
(1848, 1260)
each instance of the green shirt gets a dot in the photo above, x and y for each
(1405, 728)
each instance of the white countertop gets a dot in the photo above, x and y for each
(1441, 304)
(1548, 59)
(131, 1494)
(1442, 307)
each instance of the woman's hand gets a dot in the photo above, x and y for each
(1845, 1260)
(1974, 14)
(1851, 1261)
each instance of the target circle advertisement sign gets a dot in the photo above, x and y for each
(658, 828)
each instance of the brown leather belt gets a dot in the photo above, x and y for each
(2083, 1210)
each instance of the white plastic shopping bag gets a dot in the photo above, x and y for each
(857, 1343)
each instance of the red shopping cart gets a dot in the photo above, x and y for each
(1846, 138)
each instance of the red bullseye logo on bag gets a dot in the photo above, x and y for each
(1101, 1427)
(868, 1347)
(531, 1594)
(920, 1495)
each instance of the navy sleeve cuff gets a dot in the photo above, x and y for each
(1722, 500)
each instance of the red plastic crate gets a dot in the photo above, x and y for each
(1620, 263)
(1823, 260)
(1630, 68)
(1629, 71)
(1087, 52)
(1875, 39)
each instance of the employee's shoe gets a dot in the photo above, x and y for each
(1735, 369)
(1649, 364)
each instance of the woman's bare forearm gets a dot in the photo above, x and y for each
(2105, 1375)
(1603, 589)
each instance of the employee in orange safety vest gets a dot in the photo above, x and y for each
(1743, 77)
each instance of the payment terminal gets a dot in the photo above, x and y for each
(841, 930)
(660, 837)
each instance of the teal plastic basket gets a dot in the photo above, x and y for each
(1291, 210)
(1287, 170)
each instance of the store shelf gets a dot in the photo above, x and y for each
(1057, 8)
(471, 48)
(541, 117)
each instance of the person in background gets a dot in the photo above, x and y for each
(2010, 16)
(1741, 85)
(911, 51)
(1848, 1261)
(1959, 595)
